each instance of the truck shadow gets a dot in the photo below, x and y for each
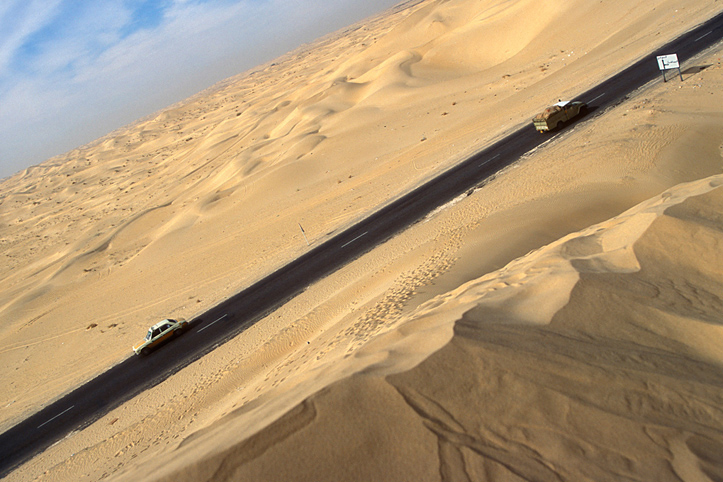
(586, 113)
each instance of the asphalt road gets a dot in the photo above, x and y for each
(96, 398)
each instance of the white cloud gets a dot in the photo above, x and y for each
(20, 19)
(90, 69)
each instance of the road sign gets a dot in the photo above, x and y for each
(667, 62)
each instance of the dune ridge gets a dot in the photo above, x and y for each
(602, 383)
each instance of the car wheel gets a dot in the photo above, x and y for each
(145, 351)
(559, 126)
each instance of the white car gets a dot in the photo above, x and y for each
(159, 333)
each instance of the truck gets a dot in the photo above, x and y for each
(555, 116)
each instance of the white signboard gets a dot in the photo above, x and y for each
(667, 62)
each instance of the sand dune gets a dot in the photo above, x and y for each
(609, 330)
(597, 357)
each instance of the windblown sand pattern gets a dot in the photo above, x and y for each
(561, 322)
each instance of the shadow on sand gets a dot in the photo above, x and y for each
(694, 69)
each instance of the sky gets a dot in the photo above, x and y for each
(72, 71)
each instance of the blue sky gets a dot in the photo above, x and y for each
(74, 70)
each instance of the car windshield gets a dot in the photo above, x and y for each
(149, 335)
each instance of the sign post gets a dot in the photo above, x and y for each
(304, 233)
(668, 62)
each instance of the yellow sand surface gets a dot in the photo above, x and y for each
(560, 322)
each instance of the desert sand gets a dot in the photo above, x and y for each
(560, 322)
